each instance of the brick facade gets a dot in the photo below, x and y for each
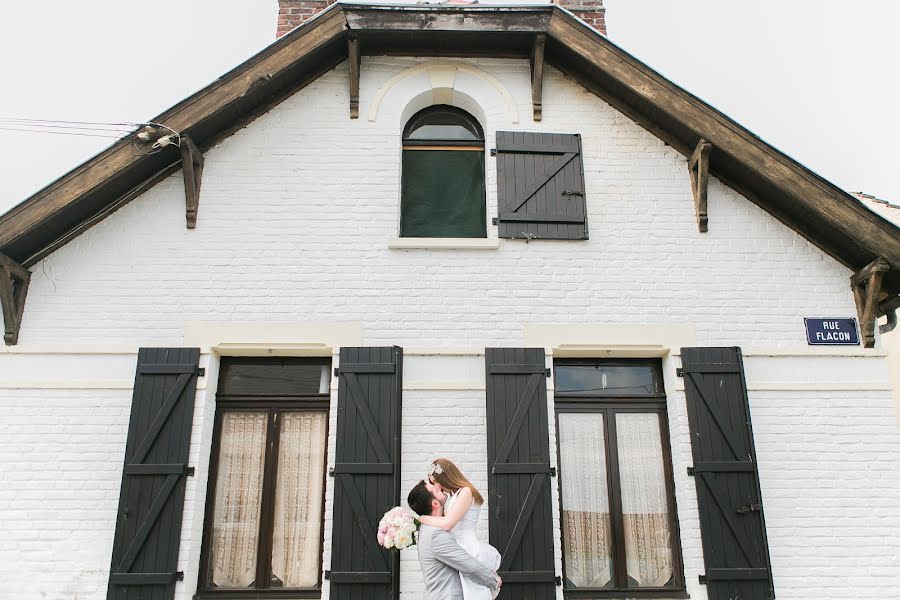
(296, 218)
(591, 12)
(292, 13)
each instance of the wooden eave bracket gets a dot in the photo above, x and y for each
(192, 167)
(698, 168)
(354, 58)
(537, 75)
(866, 285)
(14, 280)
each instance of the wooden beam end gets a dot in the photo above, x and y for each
(14, 280)
(703, 223)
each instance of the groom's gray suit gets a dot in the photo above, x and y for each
(442, 560)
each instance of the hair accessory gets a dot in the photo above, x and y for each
(435, 469)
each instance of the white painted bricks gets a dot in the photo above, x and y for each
(296, 216)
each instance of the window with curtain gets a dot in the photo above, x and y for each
(619, 527)
(442, 182)
(265, 504)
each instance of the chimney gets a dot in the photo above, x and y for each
(591, 12)
(291, 13)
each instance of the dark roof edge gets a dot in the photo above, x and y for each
(73, 202)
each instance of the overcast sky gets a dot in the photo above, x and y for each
(816, 78)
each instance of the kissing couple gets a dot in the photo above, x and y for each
(455, 565)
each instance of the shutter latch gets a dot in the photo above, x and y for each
(547, 373)
(751, 508)
(702, 579)
(179, 575)
(200, 372)
(327, 574)
(552, 471)
(691, 471)
(679, 372)
(331, 471)
(558, 580)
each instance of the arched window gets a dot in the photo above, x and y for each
(442, 187)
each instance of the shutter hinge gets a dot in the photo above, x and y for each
(679, 372)
(495, 221)
(327, 574)
(690, 471)
(179, 575)
(751, 508)
(201, 371)
(702, 579)
(552, 471)
(558, 580)
(493, 152)
(570, 193)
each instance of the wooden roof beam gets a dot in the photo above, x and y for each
(698, 169)
(354, 58)
(192, 168)
(866, 284)
(537, 75)
(14, 279)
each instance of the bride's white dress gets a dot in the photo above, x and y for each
(465, 535)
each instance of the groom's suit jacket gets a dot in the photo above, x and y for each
(442, 560)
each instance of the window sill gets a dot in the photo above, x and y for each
(412, 243)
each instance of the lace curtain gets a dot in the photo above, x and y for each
(238, 494)
(297, 532)
(648, 547)
(587, 541)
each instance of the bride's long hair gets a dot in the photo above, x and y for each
(448, 475)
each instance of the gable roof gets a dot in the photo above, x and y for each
(821, 212)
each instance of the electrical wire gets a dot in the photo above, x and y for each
(25, 119)
(78, 127)
(110, 135)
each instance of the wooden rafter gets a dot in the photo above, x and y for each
(14, 280)
(698, 168)
(354, 58)
(537, 75)
(192, 166)
(866, 284)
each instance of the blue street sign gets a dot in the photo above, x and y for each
(831, 332)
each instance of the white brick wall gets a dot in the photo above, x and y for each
(296, 212)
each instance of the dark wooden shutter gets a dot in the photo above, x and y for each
(540, 186)
(520, 524)
(151, 500)
(366, 472)
(735, 549)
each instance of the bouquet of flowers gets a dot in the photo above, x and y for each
(398, 529)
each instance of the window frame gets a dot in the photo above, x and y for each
(273, 404)
(609, 405)
(408, 144)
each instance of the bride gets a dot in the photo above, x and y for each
(461, 511)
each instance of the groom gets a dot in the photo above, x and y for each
(441, 558)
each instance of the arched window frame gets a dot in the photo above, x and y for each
(443, 190)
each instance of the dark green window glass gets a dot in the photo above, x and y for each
(443, 194)
(442, 186)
